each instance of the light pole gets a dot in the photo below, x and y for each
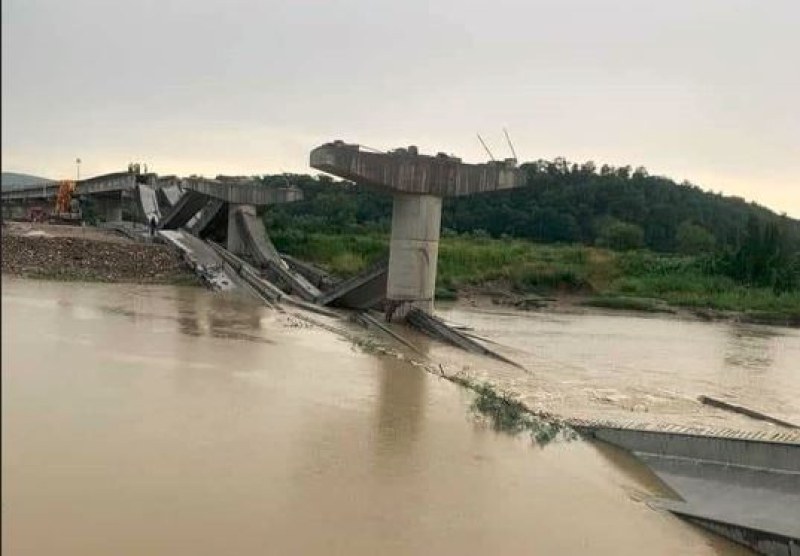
(78, 166)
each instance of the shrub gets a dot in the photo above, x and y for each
(621, 236)
(693, 239)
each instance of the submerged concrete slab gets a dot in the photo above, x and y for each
(264, 288)
(745, 488)
(323, 280)
(406, 171)
(293, 281)
(202, 258)
(436, 328)
(762, 542)
(753, 452)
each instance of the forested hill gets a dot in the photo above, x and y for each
(562, 202)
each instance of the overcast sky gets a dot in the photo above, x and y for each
(704, 90)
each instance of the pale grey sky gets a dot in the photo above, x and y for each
(704, 90)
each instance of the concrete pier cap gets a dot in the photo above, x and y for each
(404, 170)
(418, 183)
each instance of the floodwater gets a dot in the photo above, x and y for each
(162, 420)
(636, 368)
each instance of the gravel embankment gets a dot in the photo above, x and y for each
(71, 258)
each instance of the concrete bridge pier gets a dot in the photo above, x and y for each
(236, 243)
(109, 207)
(413, 253)
(417, 183)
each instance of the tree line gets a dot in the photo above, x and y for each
(564, 202)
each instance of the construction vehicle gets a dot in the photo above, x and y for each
(67, 209)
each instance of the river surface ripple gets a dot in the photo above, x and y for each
(635, 368)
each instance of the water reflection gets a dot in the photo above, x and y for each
(400, 408)
(220, 317)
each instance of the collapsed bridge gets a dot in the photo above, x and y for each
(741, 486)
(417, 184)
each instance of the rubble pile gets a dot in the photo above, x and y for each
(70, 258)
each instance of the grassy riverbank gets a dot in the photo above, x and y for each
(639, 280)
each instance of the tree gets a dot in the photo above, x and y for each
(559, 204)
(621, 236)
(693, 239)
(763, 258)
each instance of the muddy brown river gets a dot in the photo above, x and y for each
(636, 368)
(163, 420)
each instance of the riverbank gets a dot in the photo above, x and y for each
(88, 254)
(532, 276)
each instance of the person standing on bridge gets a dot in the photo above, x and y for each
(152, 226)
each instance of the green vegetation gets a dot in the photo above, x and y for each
(620, 236)
(616, 236)
(632, 280)
(506, 414)
(341, 254)
(563, 202)
(693, 239)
